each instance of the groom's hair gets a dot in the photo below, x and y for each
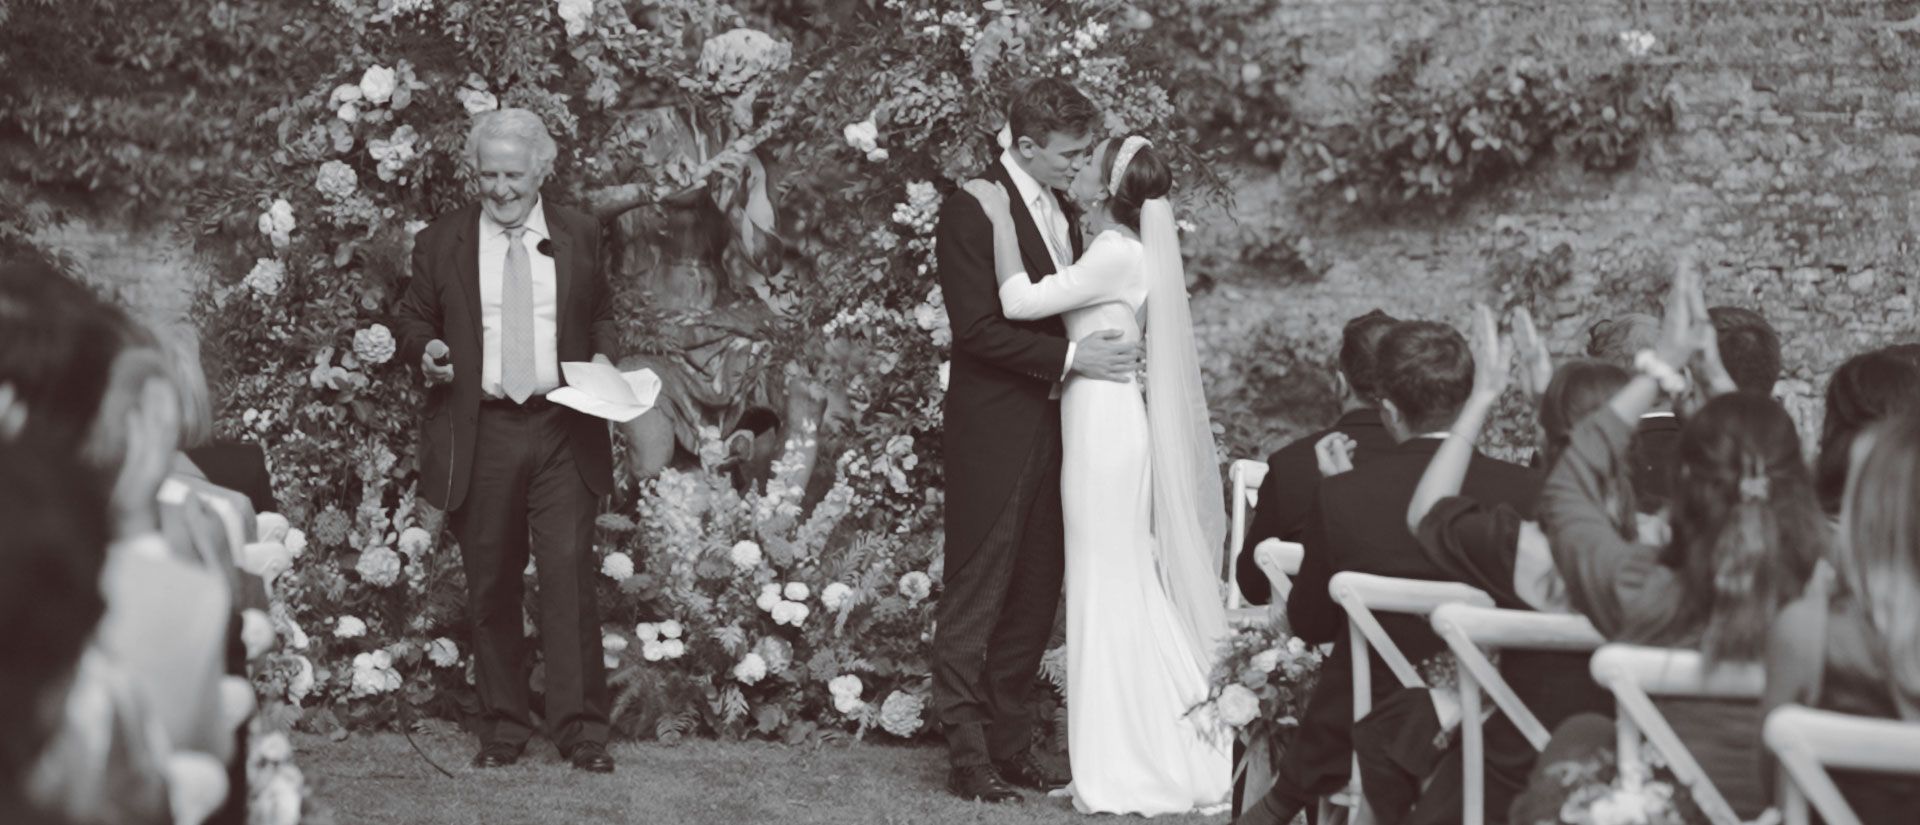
(1050, 105)
(1426, 370)
(1360, 353)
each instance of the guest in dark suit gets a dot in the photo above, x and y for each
(1358, 522)
(503, 291)
(1005, 542)
(240, 466)
(1293, 473)
(1619, 341)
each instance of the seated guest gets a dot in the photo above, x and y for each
(1406, 770)
(1853, 645)
(1749, 348)
(1863, 390)
(1746, 533)
(233, 465)
(1619, 341)
(1911, 352)
(1293, 474)
(1358, 522)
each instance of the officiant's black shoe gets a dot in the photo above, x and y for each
(1027, 771)
(496, 755)
(980, 782)
(591, 757)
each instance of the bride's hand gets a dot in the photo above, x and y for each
(1335, 454)
(991, 196)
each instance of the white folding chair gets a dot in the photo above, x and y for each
(1360, 595)
(1807, 741)
(1470, 632)
(1245, 475)
(1635, 675)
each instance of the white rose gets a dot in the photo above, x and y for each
(274, 747)
(296, 542)
(1266, 661)
(782, 611)
(617, 566)
(415, 541)
(349, 112)
(1296, 646)
(653, 650)
(751, 669)
(349, 627)
(267, 277)
(613, 642)
(374, 345)
(377, 84)
(302, 682)
(916, 586)
(578, 15)
(256, 632)
(671, 629)
(1238, 705)
(271, 526)
(646, 631)
(282, 213)
(864, 136)
(848, 704)
(877, 155)
(770, 602)
(745, 555)
(345, 93)
(846, 685)
(797, 591)
(266, 559)
(443, 653)
(674, 648)
(835, 595)
(477, 100)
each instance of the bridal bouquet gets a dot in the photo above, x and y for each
(1260, 685)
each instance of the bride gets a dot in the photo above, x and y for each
(1140, 494)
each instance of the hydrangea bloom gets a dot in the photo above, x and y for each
(613, 643)
(916, 586)
(377, 84)
(751, 669)
(415, 542)
(373, 673)
(349, 627)
(301, 683)
(578, 15)
(900, 714)
(374, 345)
(671, 629)
(443, 653)
(267, 277)
(834, 595)
(617, 566)
(734, 60)
(379, 567)
(1237, 705)
(796, 591)
(745, 555)
(336, 180)
(769, 597)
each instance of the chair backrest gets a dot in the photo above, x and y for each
(1245, 475)
(1806, 741)
(1467, 629)
(1635, 675)
(1360, 594)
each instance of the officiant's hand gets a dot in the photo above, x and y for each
(434, 364)
(1103, 356)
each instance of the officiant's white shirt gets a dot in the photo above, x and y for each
(546, 303)
(1052, 223)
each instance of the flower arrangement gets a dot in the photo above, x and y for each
(1593, 791)
(1260, 685)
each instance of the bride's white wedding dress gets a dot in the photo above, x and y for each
(1133, 672)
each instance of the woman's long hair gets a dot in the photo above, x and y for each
(1880, 517)
(1863, 390)
(1747, 529)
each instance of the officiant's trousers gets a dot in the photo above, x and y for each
(526, 496)
(996, 616)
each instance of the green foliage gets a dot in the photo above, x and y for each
(1415, 143)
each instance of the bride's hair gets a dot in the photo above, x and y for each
(1145, 178)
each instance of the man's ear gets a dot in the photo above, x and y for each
(1342, 389)
(13, 412)
(1026, 146)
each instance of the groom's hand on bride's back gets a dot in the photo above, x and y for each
(1103, 356)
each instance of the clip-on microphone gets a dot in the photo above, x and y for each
(544, 247)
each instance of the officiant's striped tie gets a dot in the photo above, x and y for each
(517, 373)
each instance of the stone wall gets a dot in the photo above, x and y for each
(1790, 171)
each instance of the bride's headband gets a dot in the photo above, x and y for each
(1128, 148)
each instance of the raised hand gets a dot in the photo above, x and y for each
(992, 197)
(1334, 453)
(1536, 364)
(1492, 358)
(1678, 336)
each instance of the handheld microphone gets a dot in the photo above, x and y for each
(544, 247)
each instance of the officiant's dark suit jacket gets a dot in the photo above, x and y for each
(443, 301)
(1359, 523)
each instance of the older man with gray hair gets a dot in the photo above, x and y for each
(503, 291)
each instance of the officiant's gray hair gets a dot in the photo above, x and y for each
(512, 124)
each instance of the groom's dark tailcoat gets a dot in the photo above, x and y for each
(516, 479)
(1004, 538)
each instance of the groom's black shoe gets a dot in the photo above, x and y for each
(1027, 771)
(980, 782)
(591, 757)
(496, 755)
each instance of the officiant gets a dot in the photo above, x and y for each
(502, 292)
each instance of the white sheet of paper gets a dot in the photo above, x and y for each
(605, 392)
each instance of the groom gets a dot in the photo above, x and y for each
(504, 291)
(1005, 554)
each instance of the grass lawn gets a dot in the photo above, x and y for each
(379, 779)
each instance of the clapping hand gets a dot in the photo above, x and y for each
(1492, 357)
(1335, 454)
(992, 197)
(1536, 364)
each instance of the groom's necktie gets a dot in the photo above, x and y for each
(1053, 228)
(517, 373)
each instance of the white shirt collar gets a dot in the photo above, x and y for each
(536, 223)
(1658, 414)
(1031, 192)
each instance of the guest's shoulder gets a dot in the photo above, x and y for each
(577, 221)
(446, 224)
